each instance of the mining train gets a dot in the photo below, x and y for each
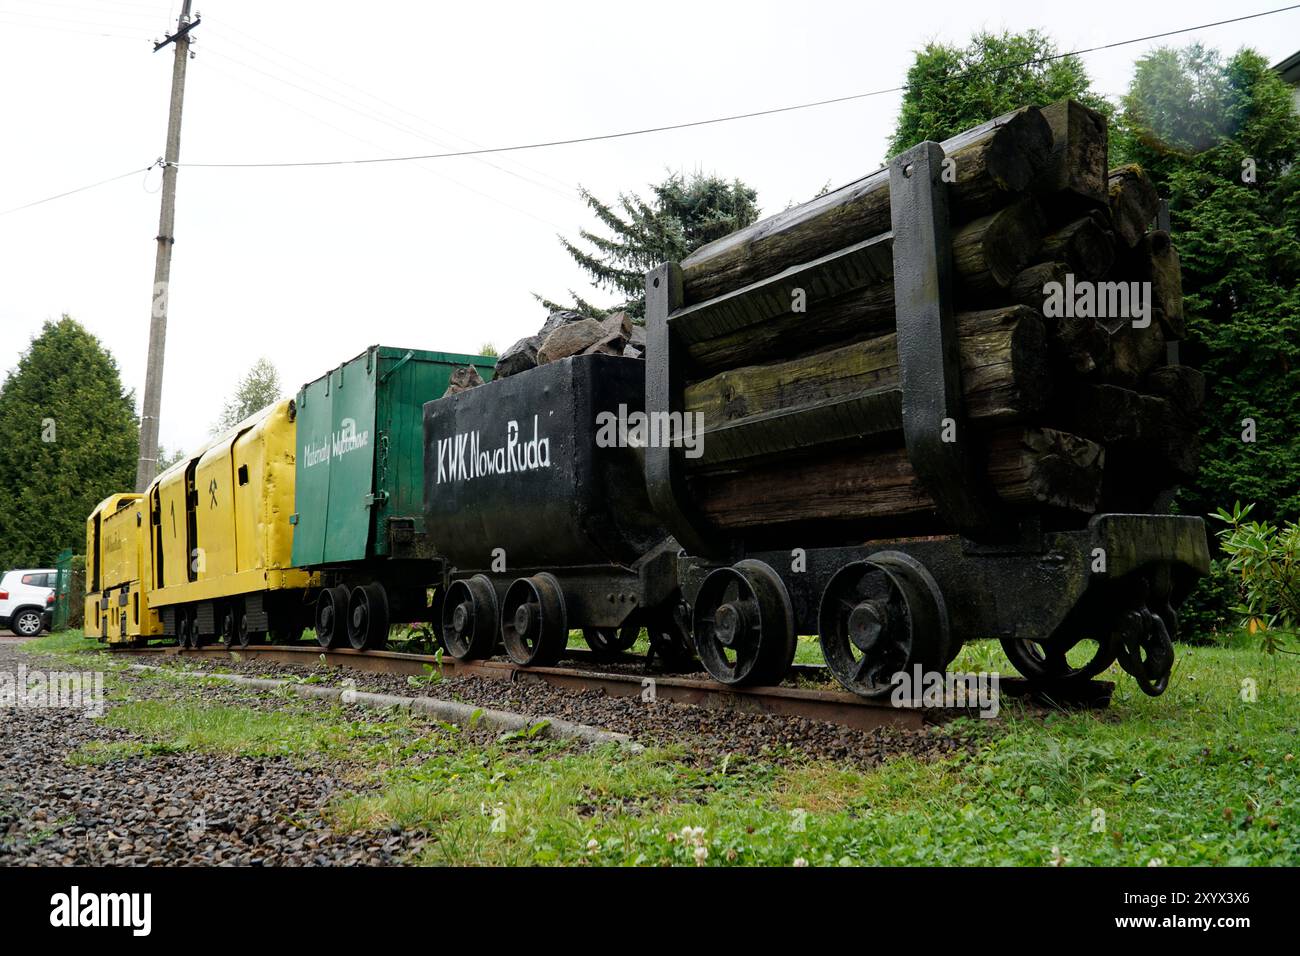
(508, 515)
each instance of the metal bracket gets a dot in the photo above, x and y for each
(396, 366)
(1173, 350)
(664, 474)
(938, 437)
(184, 31)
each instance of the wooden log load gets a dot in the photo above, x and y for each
(1005, 374)
(1066, 303)
(1035, 467)
(993, 164)
(1074, 179)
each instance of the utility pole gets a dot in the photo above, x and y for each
(147, 464)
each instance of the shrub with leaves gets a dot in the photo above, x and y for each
(952, 88)
(1220, 138)
(1266, 559)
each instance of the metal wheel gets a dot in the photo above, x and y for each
(286, 625)
(196, 639)
(880, 617)
(534, 624)
(1045, 661)
(469, 618)
(609, 642)
(331, 616)
(245, 636)
(669, 631)
(228, 635)
(368, 617)
(744, 625)
(182, 628)
(27, 623)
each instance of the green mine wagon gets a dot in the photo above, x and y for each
(359, 514)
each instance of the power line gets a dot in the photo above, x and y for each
(85, 33)
(371, 115)
(77, 21)
(362, 139)
(82, 189)
(221, 28)
(154, 9)
(676, 126)
(983, 71)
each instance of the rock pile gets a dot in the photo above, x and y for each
(568, 333)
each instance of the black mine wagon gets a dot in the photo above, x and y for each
(544, 524)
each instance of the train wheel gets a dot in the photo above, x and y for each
(228, 635)
(368, 617)
(533, 621)
(469, 618)
(182, 628)
(331, 616)
(744, 625)
(247, 637)
(286, 626)
(609, 642)
(880, 617)
(1045, 661)
(669, 633)
(196, 638)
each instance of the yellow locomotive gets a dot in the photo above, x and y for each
(205, 551)
(236, 541)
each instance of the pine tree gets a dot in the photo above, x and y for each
(259, 387)
(950, 88)
(69, 437)
(682, 215)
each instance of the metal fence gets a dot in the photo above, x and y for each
(62, 590)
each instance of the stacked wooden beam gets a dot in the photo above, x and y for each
(1070, 405)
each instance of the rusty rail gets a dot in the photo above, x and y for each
(832, 706)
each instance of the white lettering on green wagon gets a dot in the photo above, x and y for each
(346, 439)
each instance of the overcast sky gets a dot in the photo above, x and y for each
(310, 266)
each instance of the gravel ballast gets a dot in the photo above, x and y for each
(180, 808)
(709, 734)
(197, 807)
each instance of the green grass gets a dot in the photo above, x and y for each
(233, 729)
(99, 753)
(984, 655)
(1197, 776)
(63, 643)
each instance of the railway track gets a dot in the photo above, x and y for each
(832, 706)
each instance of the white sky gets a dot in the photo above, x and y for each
(309, 266)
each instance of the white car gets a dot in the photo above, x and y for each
(27, 600)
